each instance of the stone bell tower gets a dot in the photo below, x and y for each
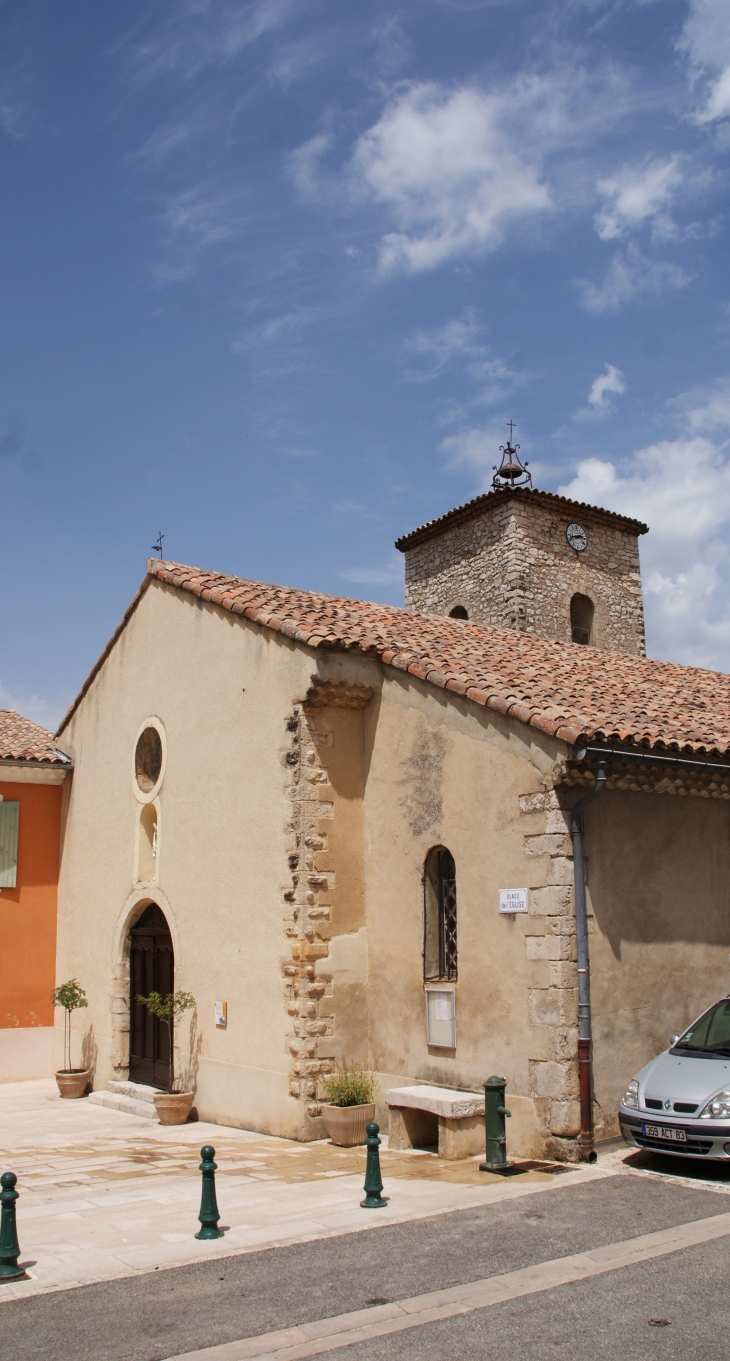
(531, 560)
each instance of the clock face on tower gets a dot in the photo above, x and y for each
(577, 537)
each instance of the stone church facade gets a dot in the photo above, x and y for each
(313, 755)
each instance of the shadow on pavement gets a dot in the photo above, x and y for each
(672, 1166)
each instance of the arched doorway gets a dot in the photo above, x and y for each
(151, 969)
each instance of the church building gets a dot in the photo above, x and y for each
(347, 829)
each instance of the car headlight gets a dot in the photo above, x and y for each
(630, 1097)
(718, 1108)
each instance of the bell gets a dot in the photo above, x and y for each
(511, 469)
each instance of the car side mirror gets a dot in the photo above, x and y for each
(673, 1040)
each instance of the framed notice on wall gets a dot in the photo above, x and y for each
(441, 1018)
(513, 900)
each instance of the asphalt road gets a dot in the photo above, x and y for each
(159, 1314)
(606, 1319)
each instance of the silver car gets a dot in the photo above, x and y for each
(680, 1102)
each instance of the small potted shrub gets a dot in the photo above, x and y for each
(173, 1106)
(350, 1105)
(71, 1081)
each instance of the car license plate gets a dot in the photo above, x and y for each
(664, 1132)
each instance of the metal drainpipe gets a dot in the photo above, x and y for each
(585, 1068)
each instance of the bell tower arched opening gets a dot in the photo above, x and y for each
(582, 611)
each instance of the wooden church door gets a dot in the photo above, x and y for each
(151, 969)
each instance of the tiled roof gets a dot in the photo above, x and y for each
(565, 690)
(21, 740)
(489, 499)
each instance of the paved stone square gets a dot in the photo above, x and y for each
(104, 1194)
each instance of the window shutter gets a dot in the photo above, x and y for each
(8, 844)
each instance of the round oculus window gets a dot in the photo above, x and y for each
(577, 537)
(148, 759)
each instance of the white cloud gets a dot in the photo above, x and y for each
(461, 341)
(452, 169)
(474, 448)
(47, 712)
(297, 59)
(207, 217)
(611, 380)
(631, 274)
(706, 40)
(706, 410)
(200, 33)
(193, 221)
(681, 489)
(636, 194)
(458, 338)
(305, 163)
(390, 574)
(477, 449)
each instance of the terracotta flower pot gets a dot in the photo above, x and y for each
(347, 1125)
(73, 1081)
(173, 1108)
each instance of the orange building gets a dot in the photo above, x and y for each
(32, 776)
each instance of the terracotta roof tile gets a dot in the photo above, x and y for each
(21, 740)
(562, 689)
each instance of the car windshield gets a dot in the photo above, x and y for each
(711, 1034)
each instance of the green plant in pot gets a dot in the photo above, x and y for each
(174, 1105)
(72, 1082)
(350, 1104)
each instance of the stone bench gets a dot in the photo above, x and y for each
(422, 1117)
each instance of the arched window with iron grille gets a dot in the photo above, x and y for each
(439, 915)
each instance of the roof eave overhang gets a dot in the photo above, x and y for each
(476, 507)
(586, 750)
(30, 763)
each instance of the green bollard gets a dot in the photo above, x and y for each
(9, 1245)
(495, 1114)
(209, 1215)
(373, 1180)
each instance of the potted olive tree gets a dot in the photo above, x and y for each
(173, 1106)
(71, 1081)
(350, 1105)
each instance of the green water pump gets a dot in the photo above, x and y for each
(495, 1114)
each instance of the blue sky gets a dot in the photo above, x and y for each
(274, 274)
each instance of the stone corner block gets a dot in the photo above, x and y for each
(559, 1081)
(560, 870)
(548, 843)
(562, 1150)
(549, 947)
(554, 900)
(553, 1006)
(565, 1119)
